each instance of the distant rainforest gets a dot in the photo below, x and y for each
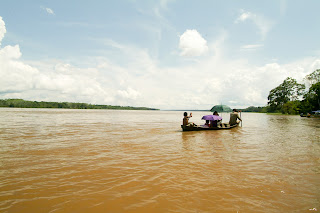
(20, 103)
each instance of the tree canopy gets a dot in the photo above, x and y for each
(291, 97)
(314, 77)
(289, 90)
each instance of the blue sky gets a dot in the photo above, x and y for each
(167, 54)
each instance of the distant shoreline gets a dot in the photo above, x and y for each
(20, 103)
(188, 110)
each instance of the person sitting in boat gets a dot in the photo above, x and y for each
(186, 119)
(234, 116)
(207, 124)
(215, 123)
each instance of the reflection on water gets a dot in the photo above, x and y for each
(140, 161)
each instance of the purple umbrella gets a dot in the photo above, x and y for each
(211, 117)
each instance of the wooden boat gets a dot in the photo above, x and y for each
(200, 128)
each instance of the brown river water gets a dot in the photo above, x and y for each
(60, 160)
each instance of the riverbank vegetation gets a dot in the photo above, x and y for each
(20, 103)
(291, 97)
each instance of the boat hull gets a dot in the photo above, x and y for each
(200, 128)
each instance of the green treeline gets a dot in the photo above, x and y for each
(254, 109)
(20, 103)
(290, 97)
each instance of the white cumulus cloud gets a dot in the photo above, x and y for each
(10, 52)
(15, 76)
(192, 44)
(2, 29)
(263, 24)
(49, 81)
(129, 93)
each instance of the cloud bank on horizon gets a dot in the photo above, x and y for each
(166, 64)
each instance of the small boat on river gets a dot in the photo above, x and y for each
(215, 122)
(203, 127)
(311, 115)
